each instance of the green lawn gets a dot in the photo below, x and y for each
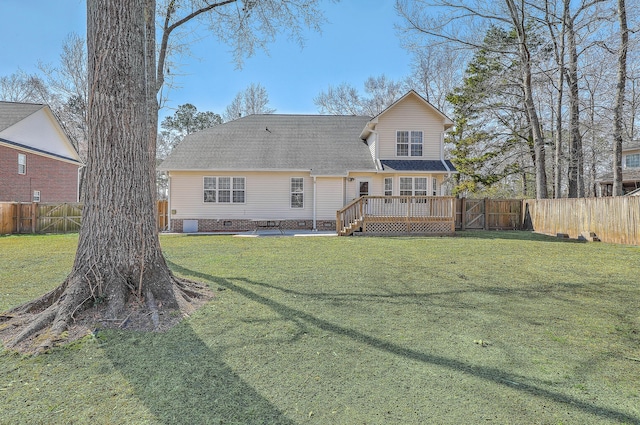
(487, 327)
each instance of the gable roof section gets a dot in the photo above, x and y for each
(33, 127)
(447, 123)
(325, 144)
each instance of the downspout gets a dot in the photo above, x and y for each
(78, 180)
(446, 167)
(315, 198)
(168, 201)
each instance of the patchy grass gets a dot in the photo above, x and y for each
(503, 327)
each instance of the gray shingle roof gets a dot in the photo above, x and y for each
(416, 165)
(12, 112)
(325, 144)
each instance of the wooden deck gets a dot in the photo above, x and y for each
(398, 215)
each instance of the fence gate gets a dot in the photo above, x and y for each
(474, 214)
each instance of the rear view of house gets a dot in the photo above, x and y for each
(301, 169)
(38, 163)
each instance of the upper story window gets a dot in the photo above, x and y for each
(224, 190)
(22, 163)
(632, 161)
(297, 192)
(408, 143)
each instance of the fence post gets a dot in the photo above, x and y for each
(463, 214)
(486, 213)
(18, 217)
(34, 217)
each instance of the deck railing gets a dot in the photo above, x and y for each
(397, 214)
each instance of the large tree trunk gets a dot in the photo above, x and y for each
(118, 257)
(617, 113)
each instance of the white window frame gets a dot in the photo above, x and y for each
(36, 196)
(414, 190)
(409, 143)
(434, 186)
(295, 192)
(632, 160)
(388, 186)
(22, 163)
(224, 190)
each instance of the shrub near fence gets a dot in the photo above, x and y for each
(612, 219)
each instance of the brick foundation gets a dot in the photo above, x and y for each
(234, 225)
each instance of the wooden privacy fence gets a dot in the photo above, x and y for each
(488, 214)
(612, 219)
(53, 218)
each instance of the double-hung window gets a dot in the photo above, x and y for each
(388, 186)
(297, 192)
(416, 143)
(632, 161)
(413, 186)
(408, 143)
(224, 190)
(22, 163)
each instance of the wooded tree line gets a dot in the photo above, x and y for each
(549, 91)
(544, 94)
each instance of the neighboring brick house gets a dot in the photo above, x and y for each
(38, 163)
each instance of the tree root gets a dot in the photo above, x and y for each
(65, 314)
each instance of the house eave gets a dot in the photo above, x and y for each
(40, 152)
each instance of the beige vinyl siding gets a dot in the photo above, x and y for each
(329, 198)
(410, 114)
(267, 195)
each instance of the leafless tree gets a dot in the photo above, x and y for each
(252, 100)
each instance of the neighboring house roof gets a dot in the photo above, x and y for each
(12, 112)
(628, 175)
(33, 127)
(325, 144)
(631, 146)
(416, 165)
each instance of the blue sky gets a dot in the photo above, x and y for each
(358, 41)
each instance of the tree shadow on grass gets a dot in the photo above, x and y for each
(522, 235)
(183, 381)
(489, 374)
